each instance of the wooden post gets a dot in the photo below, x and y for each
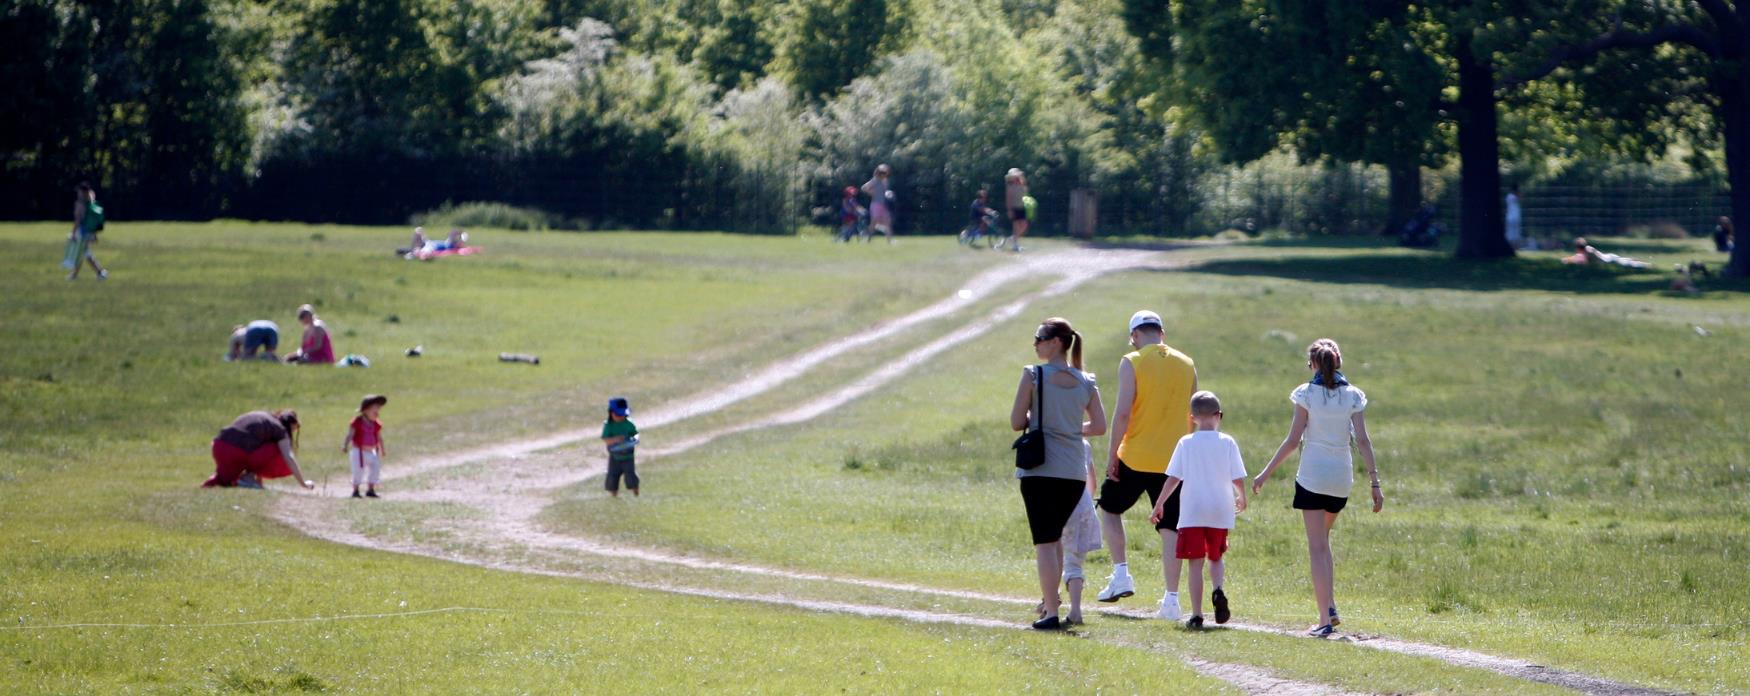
(1084, 212)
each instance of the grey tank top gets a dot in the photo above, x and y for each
(1063, 412)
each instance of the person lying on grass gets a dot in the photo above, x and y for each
(421, 246)
(259, 445)
(1328, 414)
(1208, 463)
(1585, 253)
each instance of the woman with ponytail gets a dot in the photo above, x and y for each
(259, 444)
(1070, 411)
(1329, 413)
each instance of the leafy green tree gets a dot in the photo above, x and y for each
(824, 44)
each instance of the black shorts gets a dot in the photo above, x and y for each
(1050, 501)
(1308, 500)
(1017, 214)
(1117, 497)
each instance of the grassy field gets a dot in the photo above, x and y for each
(1562, 449)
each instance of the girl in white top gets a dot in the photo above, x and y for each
(1328, 413)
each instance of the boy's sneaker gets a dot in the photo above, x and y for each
(1335, 621)
(371, 493)
(1169, 607)
(1219, 599)
(355, 493)
(1117, 587)
(1324, 631)
(1195, 622)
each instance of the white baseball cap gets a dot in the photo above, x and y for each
(1145, 317)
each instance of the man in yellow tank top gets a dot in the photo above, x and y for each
(1155, 384)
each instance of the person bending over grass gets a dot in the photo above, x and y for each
(316, 348)
(364, 445)
(621, 437)
(258, 445)
(1153, 410)
(1207, 462)
(1329, 413)
(259, 336)
(1055, 395)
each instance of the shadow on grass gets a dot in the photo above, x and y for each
(1442, 270)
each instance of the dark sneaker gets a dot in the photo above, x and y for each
(1220, 601)
(1335, 621)
(371, 493)
(355, 493)
(1195, 622)
(1324, 631)
(1049, 623)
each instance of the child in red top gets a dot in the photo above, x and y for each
(364, 445)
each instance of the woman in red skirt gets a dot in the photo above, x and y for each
(259, 443)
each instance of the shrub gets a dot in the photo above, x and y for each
(494, 215)
(1663, 229)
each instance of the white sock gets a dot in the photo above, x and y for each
(1121, 570)
(1172, 597)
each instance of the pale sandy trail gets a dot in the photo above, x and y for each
(522, 484)
(1075, 265)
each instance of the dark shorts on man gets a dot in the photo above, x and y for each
(1308, 500)
(259, 337)
(1050, 501)
(621, 467)
(1017, 214)
(1117, 497)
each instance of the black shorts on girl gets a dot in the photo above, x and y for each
(1308, 500)
(1117, 497)
(1050, 501)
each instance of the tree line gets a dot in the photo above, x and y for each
(742, 113)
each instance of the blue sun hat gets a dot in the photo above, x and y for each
(619, 406)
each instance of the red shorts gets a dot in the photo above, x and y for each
(1201, 542)
(230, 461)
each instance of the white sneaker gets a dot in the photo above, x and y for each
(1117, 587)
(1169, 608)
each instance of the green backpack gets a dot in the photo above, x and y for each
(1028, 203)
(93, 217)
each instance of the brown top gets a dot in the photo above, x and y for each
(253, 430)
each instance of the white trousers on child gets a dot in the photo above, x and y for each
(360, 459)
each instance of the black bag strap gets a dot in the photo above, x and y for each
(1039, 401)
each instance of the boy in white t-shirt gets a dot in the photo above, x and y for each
(1207, 462)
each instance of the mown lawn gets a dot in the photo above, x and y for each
(1565, 466)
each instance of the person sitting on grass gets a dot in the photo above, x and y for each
(1328, 414)
(1207, 462)
(316, 348)
(1724, 235)
(363, 445)
(1585, 253)
(621, 437)
(257, 445)
(259, 336)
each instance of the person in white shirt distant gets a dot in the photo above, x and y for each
(1207, 462)
(1515, 219)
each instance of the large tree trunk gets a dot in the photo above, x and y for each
(1734, 116)
(1405, 197)
(1481, 234)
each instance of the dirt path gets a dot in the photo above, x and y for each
(501, 530)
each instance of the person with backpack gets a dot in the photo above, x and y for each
(1021, 206)
(87, 222)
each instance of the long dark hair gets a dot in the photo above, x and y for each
(1327, 358)
(1058, 329)
(289, 420)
